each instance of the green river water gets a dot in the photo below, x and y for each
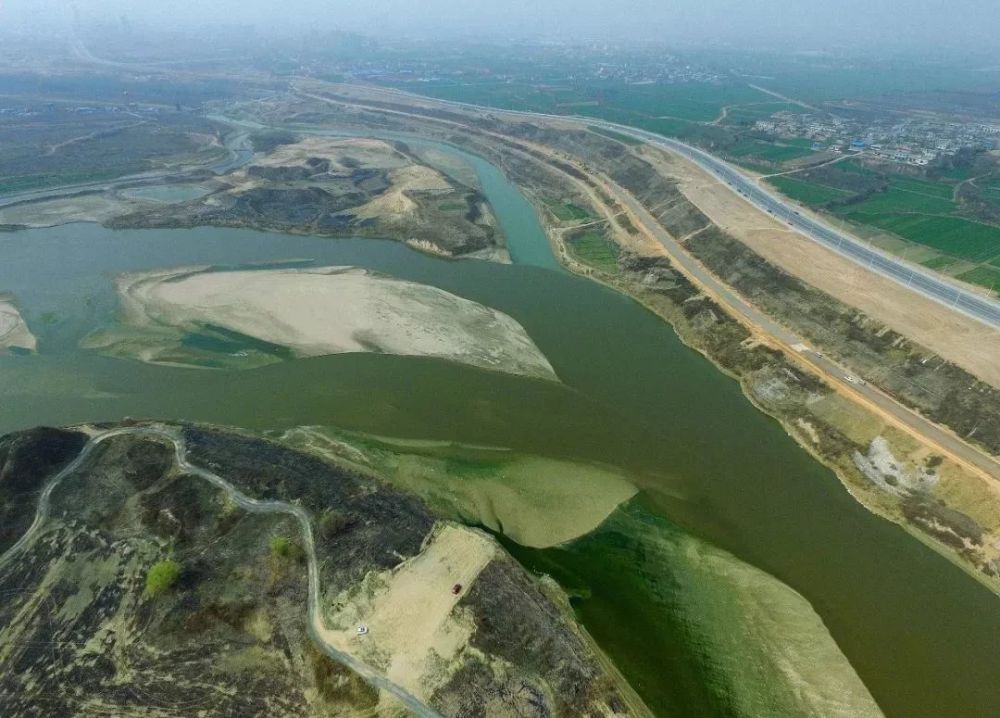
(920, 632)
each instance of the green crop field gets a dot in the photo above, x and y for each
(568, 212)
(697, 102)
(941, 190)
(958, 173)
(595, 250)
(991, 189)
(769, 151)
(687, 101)
(807, 192)
(899, 201)
(952, 235)
(983, 275)
(940, 262)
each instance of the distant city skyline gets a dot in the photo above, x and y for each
(801, 23)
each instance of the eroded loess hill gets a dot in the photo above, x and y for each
(343, 187)
(152, 585)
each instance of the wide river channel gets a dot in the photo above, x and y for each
(920, 632)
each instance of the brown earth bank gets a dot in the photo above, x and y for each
(151, 592)
(942, 331)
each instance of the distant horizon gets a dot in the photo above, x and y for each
(967, 25)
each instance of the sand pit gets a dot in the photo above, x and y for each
(14, 333)
(319, 311)
(415, 628)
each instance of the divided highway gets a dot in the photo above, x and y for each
(964, 300)
(960, 299)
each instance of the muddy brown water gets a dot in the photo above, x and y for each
(919, 631)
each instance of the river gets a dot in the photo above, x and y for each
(918, 630)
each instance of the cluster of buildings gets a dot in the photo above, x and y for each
(542, 63)
(663, 69)
(913, 141)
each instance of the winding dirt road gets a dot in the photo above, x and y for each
(313, 615)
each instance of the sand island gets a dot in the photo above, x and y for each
(174, 315)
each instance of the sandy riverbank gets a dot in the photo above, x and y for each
(14, 333)
(536, 501)
(319, 311)
(415, 627)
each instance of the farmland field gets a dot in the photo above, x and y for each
(768, 151)
(953, 235)
(568, 212)
(593, 249)
(901, 201)
(686, 101)
(940, 262)
(984, 275)
(917, 186)
(807, 192)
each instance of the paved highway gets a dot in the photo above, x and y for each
(960, 299)
(949, 443)
(964, 300)
(946, 441)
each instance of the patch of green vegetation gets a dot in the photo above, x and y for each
(284, 547)
(807, 192)
(941, 190)
(940, 262)
(696, 102)
(569, 212)
(983, 275)
(771, 151)
(272, 139)
(900, 201)
(952, 235)
(162, 576)
(593, 249)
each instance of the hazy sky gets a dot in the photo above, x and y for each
(807, 22)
